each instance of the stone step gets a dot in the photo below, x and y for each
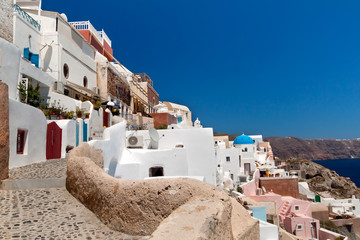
(18, 184)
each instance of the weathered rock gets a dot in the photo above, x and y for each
(4, 131)
(243, 226)
(140, 207)
(322, 180)
(84, 150)
(197, 219)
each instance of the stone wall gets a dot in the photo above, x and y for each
(161, 119)
(4, 131)
(6, 19)
(281, 186)
(118, 87)
(161, 207)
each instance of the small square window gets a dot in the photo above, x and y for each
(297, 208)
(228, 159)
(353, 207)
(299, 227)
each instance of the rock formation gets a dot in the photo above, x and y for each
(165, 208)
(4, 131)
(324, 181)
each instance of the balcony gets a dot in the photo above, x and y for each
(99, 35)
(27, 17)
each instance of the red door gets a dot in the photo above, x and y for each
(53, 141)
(106, 119)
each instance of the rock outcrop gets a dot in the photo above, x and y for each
(323, 181)
(4, 131)
(314, 149)
(161, 207)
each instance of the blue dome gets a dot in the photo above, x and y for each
(243, 139)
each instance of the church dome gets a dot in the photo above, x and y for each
(243, 139)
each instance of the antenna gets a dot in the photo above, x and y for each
(154, 138)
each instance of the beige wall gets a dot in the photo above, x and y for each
(4, 131)
(6, 19)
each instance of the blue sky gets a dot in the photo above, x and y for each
(277, 68)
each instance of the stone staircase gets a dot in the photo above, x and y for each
(284, 210)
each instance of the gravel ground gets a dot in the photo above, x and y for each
(55, 168)
(50, 214)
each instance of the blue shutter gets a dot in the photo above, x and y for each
(35, 59)
(27, 53)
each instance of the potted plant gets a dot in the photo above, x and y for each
(79, 113)
(87, 115)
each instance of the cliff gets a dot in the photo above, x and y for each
(323, 181)
(314, 149)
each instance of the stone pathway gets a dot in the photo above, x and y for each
(51, 213)
(55, 168)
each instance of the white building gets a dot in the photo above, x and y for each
(238, 160)
(181, 112)
(349, 206)
(174, 153)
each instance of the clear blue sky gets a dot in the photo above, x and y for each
(277, 68)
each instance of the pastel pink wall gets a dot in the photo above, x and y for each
(327, 235)
(290, 224)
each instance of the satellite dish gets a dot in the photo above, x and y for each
(63, 15)
(154, 138)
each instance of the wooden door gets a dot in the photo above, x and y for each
(53, 141)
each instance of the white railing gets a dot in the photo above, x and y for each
(86, 25)
(105, 37)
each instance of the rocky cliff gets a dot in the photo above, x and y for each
(314, 149)
(323, 181)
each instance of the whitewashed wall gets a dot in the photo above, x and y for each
(35, 125)
(68, 134)
(9, 66)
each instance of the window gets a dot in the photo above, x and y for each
(66, 71)
(239, 160)
(228, 159)
(299, 227)
(85, 81)
(20, 141)
(232, 176)
(297, 208)
(353, 207)
(245, 149)
(156, 172)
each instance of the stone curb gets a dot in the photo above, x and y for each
(19, 184)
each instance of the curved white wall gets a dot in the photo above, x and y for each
(36, 126)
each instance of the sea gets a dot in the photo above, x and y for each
(344, 167)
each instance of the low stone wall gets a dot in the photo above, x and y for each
(4, 131)
(158, 206)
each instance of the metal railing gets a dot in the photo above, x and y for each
(86, 25)
(27, 17)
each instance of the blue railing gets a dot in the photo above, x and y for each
(27, 17)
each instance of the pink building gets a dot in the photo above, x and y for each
(294, 214)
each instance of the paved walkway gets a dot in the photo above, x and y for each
(55, 168)
(51, 213)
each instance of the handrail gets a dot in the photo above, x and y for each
(27, 17)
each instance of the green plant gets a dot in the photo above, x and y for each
(69, 115)
(30, 94)
(87, 115)
(239, 189)
(164, 126)
(79, 113)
